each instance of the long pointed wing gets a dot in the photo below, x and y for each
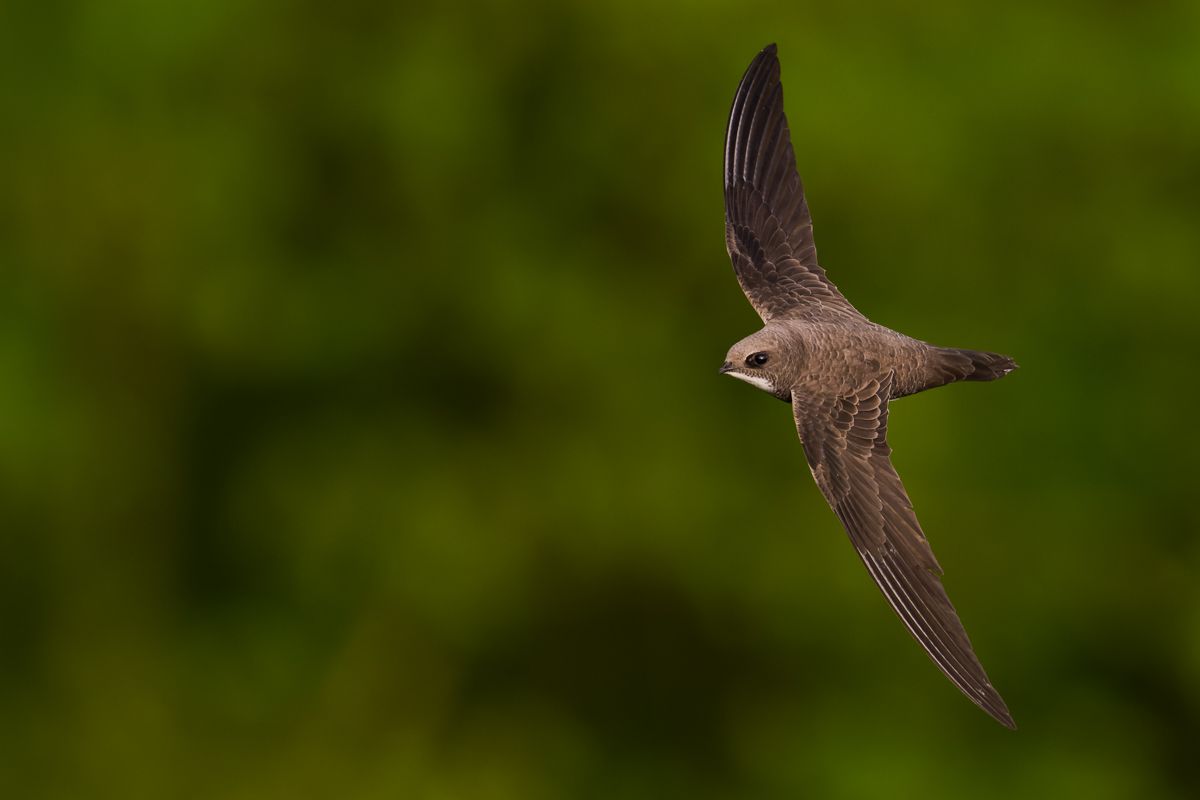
(768, 230)
(845, 441)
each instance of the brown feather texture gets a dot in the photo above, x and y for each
(839, 370)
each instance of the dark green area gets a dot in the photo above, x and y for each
(361, 436)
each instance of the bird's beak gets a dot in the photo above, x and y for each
(726, 367)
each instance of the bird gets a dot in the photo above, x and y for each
(839, 371)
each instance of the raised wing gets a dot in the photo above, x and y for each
(768, 230)
(845, 441)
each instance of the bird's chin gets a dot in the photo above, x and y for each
(753, 380)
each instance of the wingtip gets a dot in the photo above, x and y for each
(770, 49)
(996, 708)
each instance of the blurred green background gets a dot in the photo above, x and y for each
(361, 436)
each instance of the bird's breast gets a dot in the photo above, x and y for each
(841, 358)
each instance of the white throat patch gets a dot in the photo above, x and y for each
(754, 380)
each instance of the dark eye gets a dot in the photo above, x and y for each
(757, 359)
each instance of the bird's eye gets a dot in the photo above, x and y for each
(757, 359)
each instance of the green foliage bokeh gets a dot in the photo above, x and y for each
(361, 436)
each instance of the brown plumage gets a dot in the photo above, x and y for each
(839, 370)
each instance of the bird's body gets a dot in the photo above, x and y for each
(839, 371)
(837, 356)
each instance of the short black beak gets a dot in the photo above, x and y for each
(726, 367)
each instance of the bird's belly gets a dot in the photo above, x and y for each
(846, 360)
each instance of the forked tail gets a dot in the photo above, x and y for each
(944, 365)
(985, 366)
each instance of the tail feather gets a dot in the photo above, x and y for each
(950, 364)
(986, 366)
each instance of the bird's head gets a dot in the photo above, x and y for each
(762, 361)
